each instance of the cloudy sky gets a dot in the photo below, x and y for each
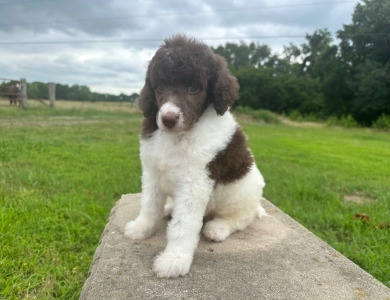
(106, 44)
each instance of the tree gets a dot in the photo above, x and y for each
(62, 91)
(318, 45)
(365, 48)
(259, 89)
(371, 84)
(368, 37)
(243, 55)
(320, 76)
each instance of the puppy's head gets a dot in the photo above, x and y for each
(182, 79)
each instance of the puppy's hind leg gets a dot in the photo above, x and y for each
(234, 207)
(217, 230)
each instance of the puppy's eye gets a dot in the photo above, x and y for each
(160, 88)
(193, 88)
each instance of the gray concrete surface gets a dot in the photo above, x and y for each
(275, 258)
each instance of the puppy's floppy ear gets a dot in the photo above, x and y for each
(224, 86)
(147, 100)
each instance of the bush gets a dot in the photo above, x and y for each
(259, 114)
(383, 122)
(295, 116)
(311, 117)
(298, 117)
(344, 121)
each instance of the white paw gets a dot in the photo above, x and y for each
(168, 208)
(172, 265)
(261, 211)
(216, 230)
(138, 229)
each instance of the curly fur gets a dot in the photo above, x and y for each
(194, 153)
(188, 60)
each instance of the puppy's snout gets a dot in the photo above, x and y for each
(170, 119)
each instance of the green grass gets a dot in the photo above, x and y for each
(62, 170)
(309, 171)
(60, 174)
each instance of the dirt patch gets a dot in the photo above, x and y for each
(360, 199)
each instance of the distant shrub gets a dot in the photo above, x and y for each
(243, 110)
(259, 114)
(295, 116)
(310, 118)
(298, 117)
(344, 121)
(383, 122)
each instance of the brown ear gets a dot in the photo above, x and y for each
(147, 100)
(225, 87)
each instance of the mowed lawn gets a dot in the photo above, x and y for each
(62, 170)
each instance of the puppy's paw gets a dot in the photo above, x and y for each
(216, 230)
(261, 211)
(172, 265)
(138, 229)
(168, 208)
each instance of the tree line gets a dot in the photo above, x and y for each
(75, 92)
(321, 78)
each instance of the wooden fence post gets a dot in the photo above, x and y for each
(52, 94)
(23, 87)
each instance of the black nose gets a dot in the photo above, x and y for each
(170, 120)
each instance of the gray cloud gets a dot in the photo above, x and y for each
(120, 66)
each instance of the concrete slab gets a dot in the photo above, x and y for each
(275, 258)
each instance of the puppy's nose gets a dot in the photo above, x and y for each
(170, 119)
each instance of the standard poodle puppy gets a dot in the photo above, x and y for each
(193, 152)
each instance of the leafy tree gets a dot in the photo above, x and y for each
(260, 90)
(303, 94)
(62, 91)
(365, 47)
(368, 37)
(242, 55)
(371, 85)
(318, 45)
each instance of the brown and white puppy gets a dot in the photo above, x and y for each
(194, 152)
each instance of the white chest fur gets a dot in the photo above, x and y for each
(174, 156)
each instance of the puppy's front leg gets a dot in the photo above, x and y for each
(152, 207)
(183, 232)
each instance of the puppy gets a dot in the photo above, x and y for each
(194, 152)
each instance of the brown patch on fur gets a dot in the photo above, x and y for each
(225, 87)
(192, 106)
(183, 61)
(234, 162)
(149, 125)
